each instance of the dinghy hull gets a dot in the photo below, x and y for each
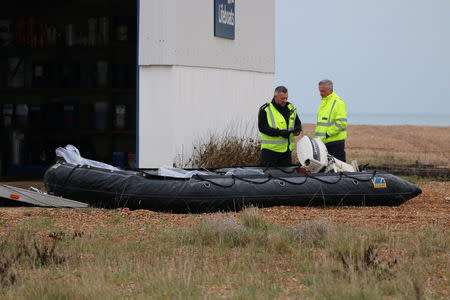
(215, 191)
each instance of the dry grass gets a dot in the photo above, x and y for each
(25, 248)
(219, 230)
(396, 144)
(251, 218)
(233, 256)
(310, 232)
(366, 144)
(226, 151)
(280, 252)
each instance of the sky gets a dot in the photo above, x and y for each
(384, 56)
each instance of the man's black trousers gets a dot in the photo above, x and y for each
(271, 158)
(337, 149)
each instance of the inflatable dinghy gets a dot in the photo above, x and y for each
(314, 183)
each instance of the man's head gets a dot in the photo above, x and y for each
(280, 95)
(325, 87)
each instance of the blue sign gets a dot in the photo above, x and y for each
(224, 18)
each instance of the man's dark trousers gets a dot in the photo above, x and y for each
(337, 149)
(271, 158)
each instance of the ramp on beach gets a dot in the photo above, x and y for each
(10, 195)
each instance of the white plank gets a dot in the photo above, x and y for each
(35, 198)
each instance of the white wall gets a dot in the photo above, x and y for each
(157, 32)
(180, 32)
(181, 106)
(193, 83)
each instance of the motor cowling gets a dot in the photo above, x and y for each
(313, 155)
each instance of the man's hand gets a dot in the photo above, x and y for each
(297, 132)
(284, 133)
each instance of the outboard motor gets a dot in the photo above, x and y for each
(313, 155)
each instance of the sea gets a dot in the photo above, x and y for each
(388, 119)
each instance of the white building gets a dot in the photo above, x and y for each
(193, 82)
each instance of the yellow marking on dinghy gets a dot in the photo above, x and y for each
(379, 183)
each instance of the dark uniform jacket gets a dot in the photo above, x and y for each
(264, 127)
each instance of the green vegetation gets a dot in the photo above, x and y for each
(242, 257)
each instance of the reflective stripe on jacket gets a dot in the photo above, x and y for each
(332, 119)
(277, 121)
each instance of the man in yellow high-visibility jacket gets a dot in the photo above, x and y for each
(278, 123)
(331, 125)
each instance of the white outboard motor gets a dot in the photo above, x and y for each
(313, 155)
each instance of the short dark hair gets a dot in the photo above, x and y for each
(280, 89)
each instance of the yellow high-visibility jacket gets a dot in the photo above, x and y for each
(276, 120)
(332, 119)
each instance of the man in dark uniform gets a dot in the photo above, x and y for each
(278, 123)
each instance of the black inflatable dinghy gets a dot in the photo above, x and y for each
(197, 190)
